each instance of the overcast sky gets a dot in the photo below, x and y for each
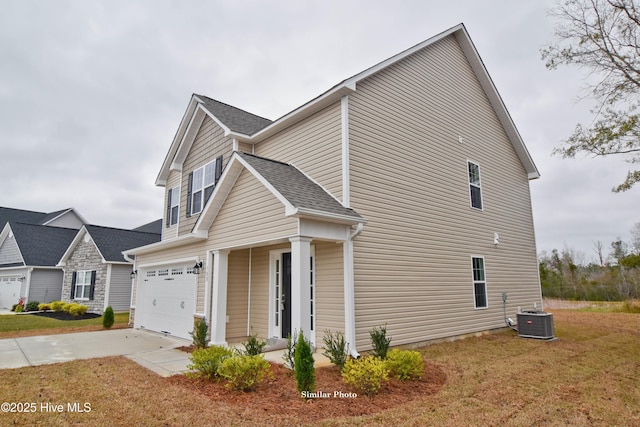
(92, 92)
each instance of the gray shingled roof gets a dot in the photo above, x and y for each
(41, 245)
(234, 118)
(152, 227)
(296, 187)
(20, 215)
(112, 241)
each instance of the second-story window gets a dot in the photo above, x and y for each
(201, 184)
(173, 206)
(475, 190)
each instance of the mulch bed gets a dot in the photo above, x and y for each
(61, 315)
(277, 398)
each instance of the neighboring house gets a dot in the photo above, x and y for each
(28, 257)
(95, 272)
(67, 218)
(400, 196)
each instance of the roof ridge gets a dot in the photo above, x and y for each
(123, 229)
(231, 106)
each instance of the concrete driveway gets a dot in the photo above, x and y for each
(153, 351)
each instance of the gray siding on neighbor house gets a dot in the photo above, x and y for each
(45, 285)
(68, 220)
(9, 252)
(409, 179)
(120, 287)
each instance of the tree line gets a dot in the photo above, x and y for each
(613, 277)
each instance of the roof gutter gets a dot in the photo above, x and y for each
(349, 292)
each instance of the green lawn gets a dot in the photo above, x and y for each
(27, 322)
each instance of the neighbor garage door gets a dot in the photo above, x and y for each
(9, 291)
(165, 300)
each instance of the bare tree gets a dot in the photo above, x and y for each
(635, 238)
(603, 37)
(597, 247)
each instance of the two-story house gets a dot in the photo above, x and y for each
(400, 196)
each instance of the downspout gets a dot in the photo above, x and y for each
(249, 297)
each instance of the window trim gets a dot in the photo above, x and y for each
(175, 203)
(472, 184)
(201, 191)
(87, 275)
(483, 282)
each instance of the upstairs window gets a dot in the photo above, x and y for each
(173, 206)
(479, 282)
(201, 184)
(475, 190)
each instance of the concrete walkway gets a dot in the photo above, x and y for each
(153, 351)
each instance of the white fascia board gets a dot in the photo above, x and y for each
(161, 179)
(67, 254)
(187, 140)
(325, 216)
(332, 95)
(267, 184)
(164, 244)
(496, 101)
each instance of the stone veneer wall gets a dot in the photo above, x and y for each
(86, 257)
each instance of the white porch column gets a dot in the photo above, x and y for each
(219, 297)
(300, 300)
(349, 297)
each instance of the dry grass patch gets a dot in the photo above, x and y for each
(589, 376)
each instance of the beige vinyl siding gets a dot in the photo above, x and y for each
(208, 144)
(409, 179)
(182, 252)
(329, 289)
(237, 294)
(171, 231)
(314, 146)
(9, 251)
(244, 147)
(250, 214)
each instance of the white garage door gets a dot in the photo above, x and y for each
(9, 291)
(166, 299)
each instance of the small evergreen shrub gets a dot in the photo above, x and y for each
(304, 365)
(44, 307)
(405, 364)
(254, 345)
(32, 306)
(379, 342)
(244, 373)
(366, 374)
(335, 348)
(200, 333)
(77, 309)
(19, 308)
(57, 305)
(108, 318)
(206, 361)
(288, 358)
(66, 307)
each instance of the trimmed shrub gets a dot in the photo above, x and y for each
(254, 345)
(244, 372)
(57, 305)
(405, 364)
(304, 365)
(206, 361)
(19, 308)
(335, 348)
(200, 333)
(77, 309)
(32, 306)
(108, 318)
(44, 307)
(67, 306)
(380, 342)
(366, 374)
